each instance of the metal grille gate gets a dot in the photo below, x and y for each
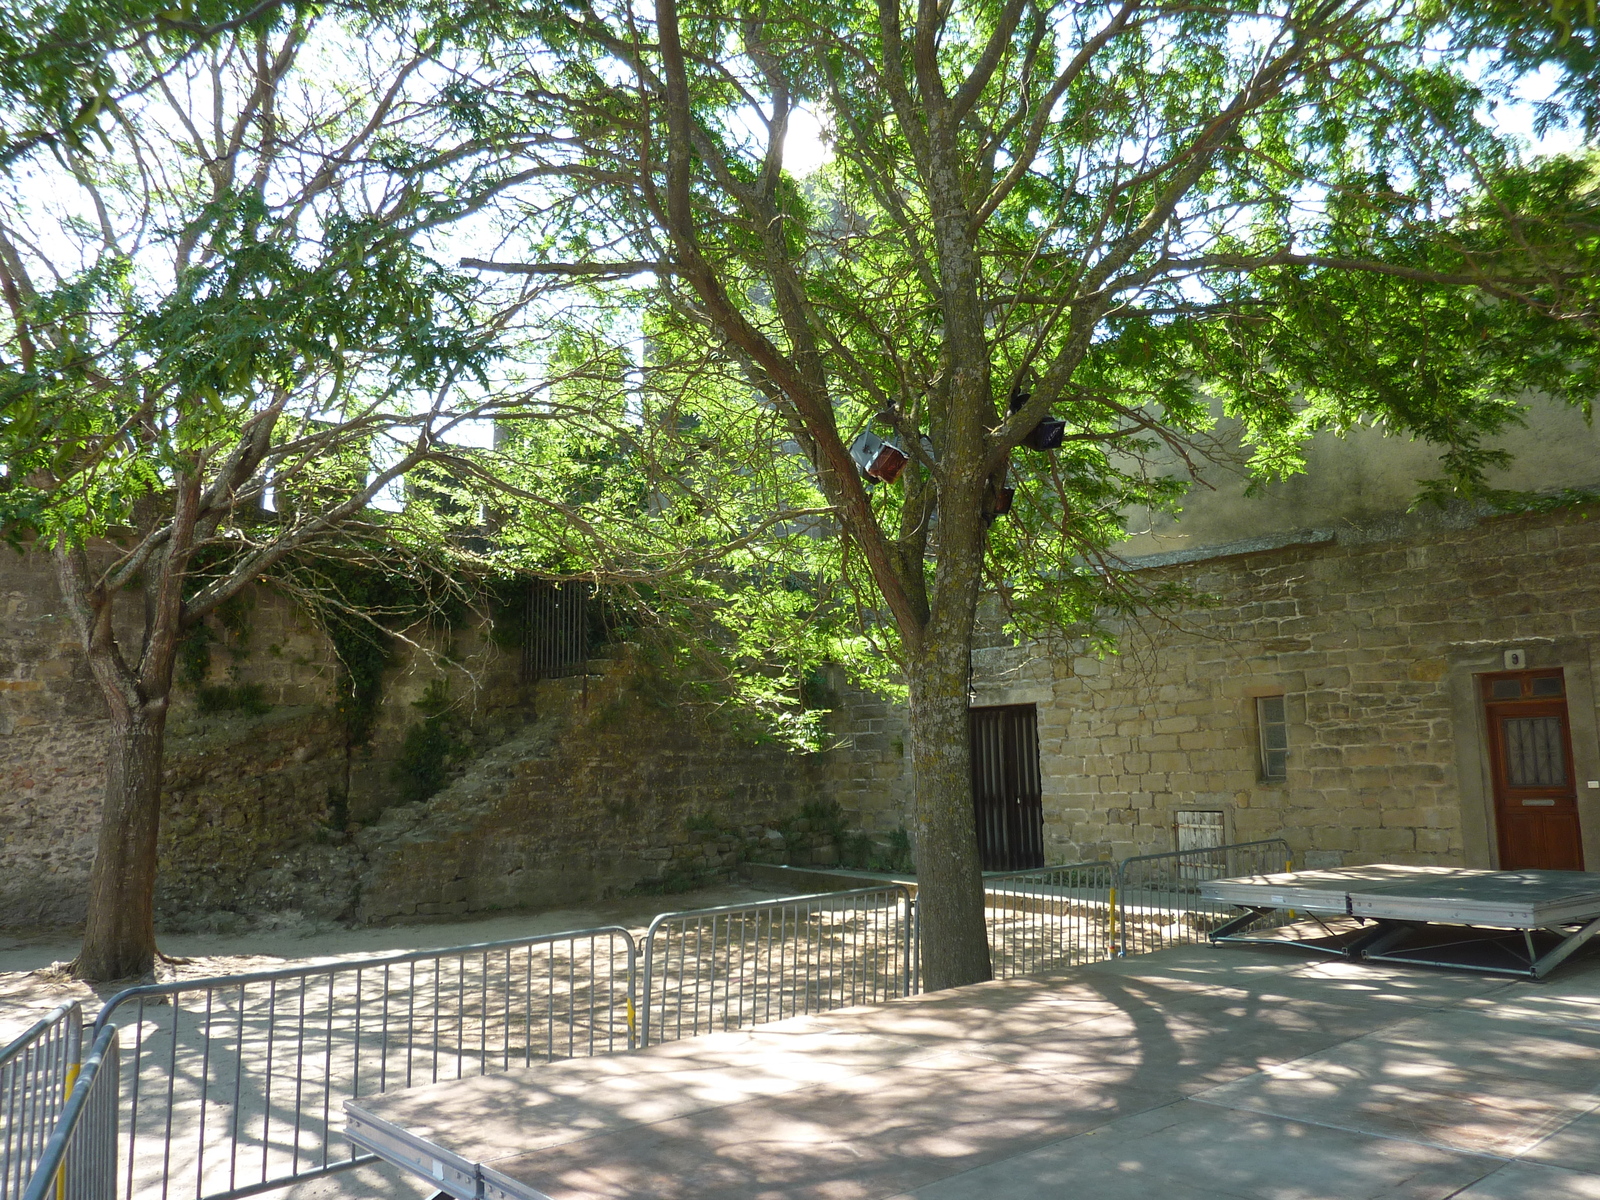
(1007, 797)
(555, 639)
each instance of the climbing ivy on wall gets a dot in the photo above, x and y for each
(430, 747)
(194, 652)
(360, 598)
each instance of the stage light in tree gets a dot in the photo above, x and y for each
(876, 458)
(1048, 433)
(997, 502)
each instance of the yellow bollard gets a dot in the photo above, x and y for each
(1111, 921)
(61, 1171)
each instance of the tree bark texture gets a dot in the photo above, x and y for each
(119, 939)
(953, 938)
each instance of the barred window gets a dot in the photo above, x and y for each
(555, 635)
(1273, 724)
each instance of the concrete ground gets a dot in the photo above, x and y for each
(1190, 1074)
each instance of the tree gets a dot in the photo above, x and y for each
(219, 294)
(1035, 208)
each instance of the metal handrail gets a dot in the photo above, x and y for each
(1188, 931)
(344, 965)
(905, 937)
(1197, 850)
(798, 960)
(1048, 869)
(23, 1040)
(480, 1005)
(74, 1169)
(1054, 916)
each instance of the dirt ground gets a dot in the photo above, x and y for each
(32, 980)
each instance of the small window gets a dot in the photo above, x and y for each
(1273, 723)
(1525, 685)
(1534, 751)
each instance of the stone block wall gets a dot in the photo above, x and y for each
(238, 789)
(568, 792)
(1373, 640)
(613, 789)
(52, 754)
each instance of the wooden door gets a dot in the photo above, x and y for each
(1007, 798)
(1530, 758)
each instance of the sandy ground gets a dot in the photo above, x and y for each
(763, 963)
(32, 980)
(32, 983)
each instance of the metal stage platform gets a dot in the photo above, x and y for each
(1523, 923)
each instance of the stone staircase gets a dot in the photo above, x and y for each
(612, 788)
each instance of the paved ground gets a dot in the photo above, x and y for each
(1189, 1074)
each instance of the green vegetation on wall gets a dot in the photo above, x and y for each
(430, 747)
(358, 600)
(232, 616)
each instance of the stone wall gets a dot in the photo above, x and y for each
(618, 787)
(239, 789)
(1373, 639)
(52, 752)
(607, 783)
(565, 793)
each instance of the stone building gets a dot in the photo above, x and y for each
(1368, 682)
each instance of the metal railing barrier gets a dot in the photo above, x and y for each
(80, 1159)
(235, 1085)
(746, 964)
(1158, 902)
(1049, 917)
(36, 1074)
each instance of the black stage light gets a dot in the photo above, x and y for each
(1048, 433)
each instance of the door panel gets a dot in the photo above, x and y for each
(1530, 759)
(1007, 797)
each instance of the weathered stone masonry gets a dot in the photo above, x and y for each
(1373, 638)
(573, 790)
(1372, 641)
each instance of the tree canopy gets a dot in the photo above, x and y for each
(1107, 213)
(1052, 239)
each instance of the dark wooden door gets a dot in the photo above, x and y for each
(1530, 757)
(1007, 798)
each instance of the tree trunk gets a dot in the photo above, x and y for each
(954, 939)
(119, 939)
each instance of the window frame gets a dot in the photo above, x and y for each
(1264, 749)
